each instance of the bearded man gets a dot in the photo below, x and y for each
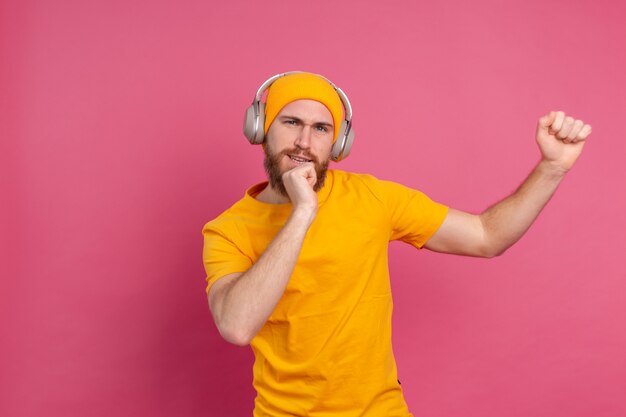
(298, 267)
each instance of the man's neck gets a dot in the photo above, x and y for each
(270, 196)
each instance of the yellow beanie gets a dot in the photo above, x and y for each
(299, 86)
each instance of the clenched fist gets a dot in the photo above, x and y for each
(561, 139)
(299, 183)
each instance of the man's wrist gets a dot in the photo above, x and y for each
(551, 169)
(304, 214)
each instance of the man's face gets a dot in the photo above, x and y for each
(303, 131)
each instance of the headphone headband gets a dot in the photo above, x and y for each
(344, 99)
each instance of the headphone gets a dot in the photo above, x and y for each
(254, 119)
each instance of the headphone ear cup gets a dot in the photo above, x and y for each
(260, 127)
(253, 125)
(248, 123)
(348, 145)
(343, 144)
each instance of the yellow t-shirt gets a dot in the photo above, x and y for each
(326, 349)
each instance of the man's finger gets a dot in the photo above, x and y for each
(547, 120)
(584, 132)
(312, 175)
(557, 124)
(576, 128)
(568, 124)
(307, 171)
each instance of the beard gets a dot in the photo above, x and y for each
(275, 175)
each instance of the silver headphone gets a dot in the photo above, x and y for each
(254, 120)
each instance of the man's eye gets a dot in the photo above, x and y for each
(290, 122)
(322, 128)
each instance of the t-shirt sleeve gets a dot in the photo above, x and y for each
(221, 256)
(414, 216)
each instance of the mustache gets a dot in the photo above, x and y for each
(297, 151)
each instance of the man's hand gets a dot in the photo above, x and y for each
(561, 139)
(299, 183)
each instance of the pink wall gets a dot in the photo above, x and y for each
(121, 136)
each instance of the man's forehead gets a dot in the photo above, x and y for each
(309, 109)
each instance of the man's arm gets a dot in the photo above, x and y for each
(560, 139)
(241, 303)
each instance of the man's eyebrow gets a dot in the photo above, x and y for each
(286, 116)
(324, 124)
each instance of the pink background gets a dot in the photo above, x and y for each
(121, 136)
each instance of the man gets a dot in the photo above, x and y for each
(298, 267)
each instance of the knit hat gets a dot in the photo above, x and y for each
(299, 86)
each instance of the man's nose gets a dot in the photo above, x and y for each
(304, 137)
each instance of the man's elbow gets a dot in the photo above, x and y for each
(235, 335)
(229, 327)
(492, 251)
(493, 254)
(237, 339)
(233, 330)
(492, 245)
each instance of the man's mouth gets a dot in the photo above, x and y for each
(299, 159)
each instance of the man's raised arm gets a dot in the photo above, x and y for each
(560, 139)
